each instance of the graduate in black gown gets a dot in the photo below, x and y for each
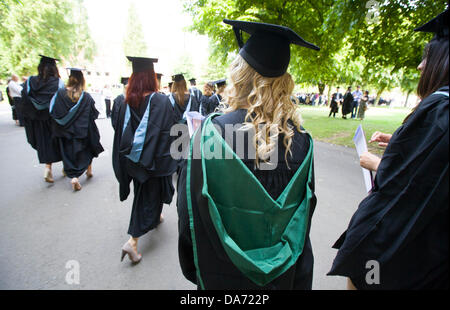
(141, 152)
(118, 101)
(347, 103)
(36, 96)
(216, 98)
(78, 137)
(184, 100)
(208, 91)
(197, 93)
(336, 99)
(245, 216)
(399, 236)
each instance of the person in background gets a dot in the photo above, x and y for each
(336, 99)
(36, 96)
(197, 93)
(106, 92)
(141, 152)
(15, 92)
(401, 229)
(120, 100)
(347, 103)
(184, 100)
(158, 77)
(357, 94)
(216, 98)
(208, 91)
(363, 105)
(74, 113)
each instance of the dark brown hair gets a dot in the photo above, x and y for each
(435, 72)
(47, 70)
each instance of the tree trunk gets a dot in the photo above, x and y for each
(379, 92)
(321, 88)
(329, 93)
(407, 97)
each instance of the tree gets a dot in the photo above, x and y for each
(354, 48)
(134, 41)
(50, 27)
(387, 42)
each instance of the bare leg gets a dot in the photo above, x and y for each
(134, 242)
(89, 171)
(48, 173)
(350, 285)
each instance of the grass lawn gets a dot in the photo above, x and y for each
(340, 131)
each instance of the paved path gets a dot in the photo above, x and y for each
(43, 226)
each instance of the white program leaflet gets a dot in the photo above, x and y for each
(361, 147)
(194, 120)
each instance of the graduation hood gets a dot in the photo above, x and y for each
(262, 237)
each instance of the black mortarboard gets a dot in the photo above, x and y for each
(220, 83)
(178, 77)
(72, 70)
(159, 75)
(193, 80)
(124, 80)
(268, 48)
(438, 26)
(141, 64)
(46, 59)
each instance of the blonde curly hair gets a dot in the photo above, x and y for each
(269, 107)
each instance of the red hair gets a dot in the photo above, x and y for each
(139, 84)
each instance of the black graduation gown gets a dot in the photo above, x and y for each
(37, 120)
(218, 272)
(204, 102)
(179, 110)
(196, 93)
(334, 105)
(213, 103)
(79, 138)
(347, 103)
(403, 223)
(152, 173)
(120, 100)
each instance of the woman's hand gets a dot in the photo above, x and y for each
(382, 138)
(369, 161)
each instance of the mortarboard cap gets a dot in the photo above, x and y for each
(220, 83)
(72, 70)
(141, 64)
(46, 59)
(178, 77)
(124, 80)
(268, 48)
(438, 26)
(193, 80)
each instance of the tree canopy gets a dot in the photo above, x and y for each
(366, 42)
(56, 28)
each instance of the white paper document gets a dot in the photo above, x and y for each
(194, 120)
(361, 147)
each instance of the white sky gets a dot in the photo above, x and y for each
(164, 24)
